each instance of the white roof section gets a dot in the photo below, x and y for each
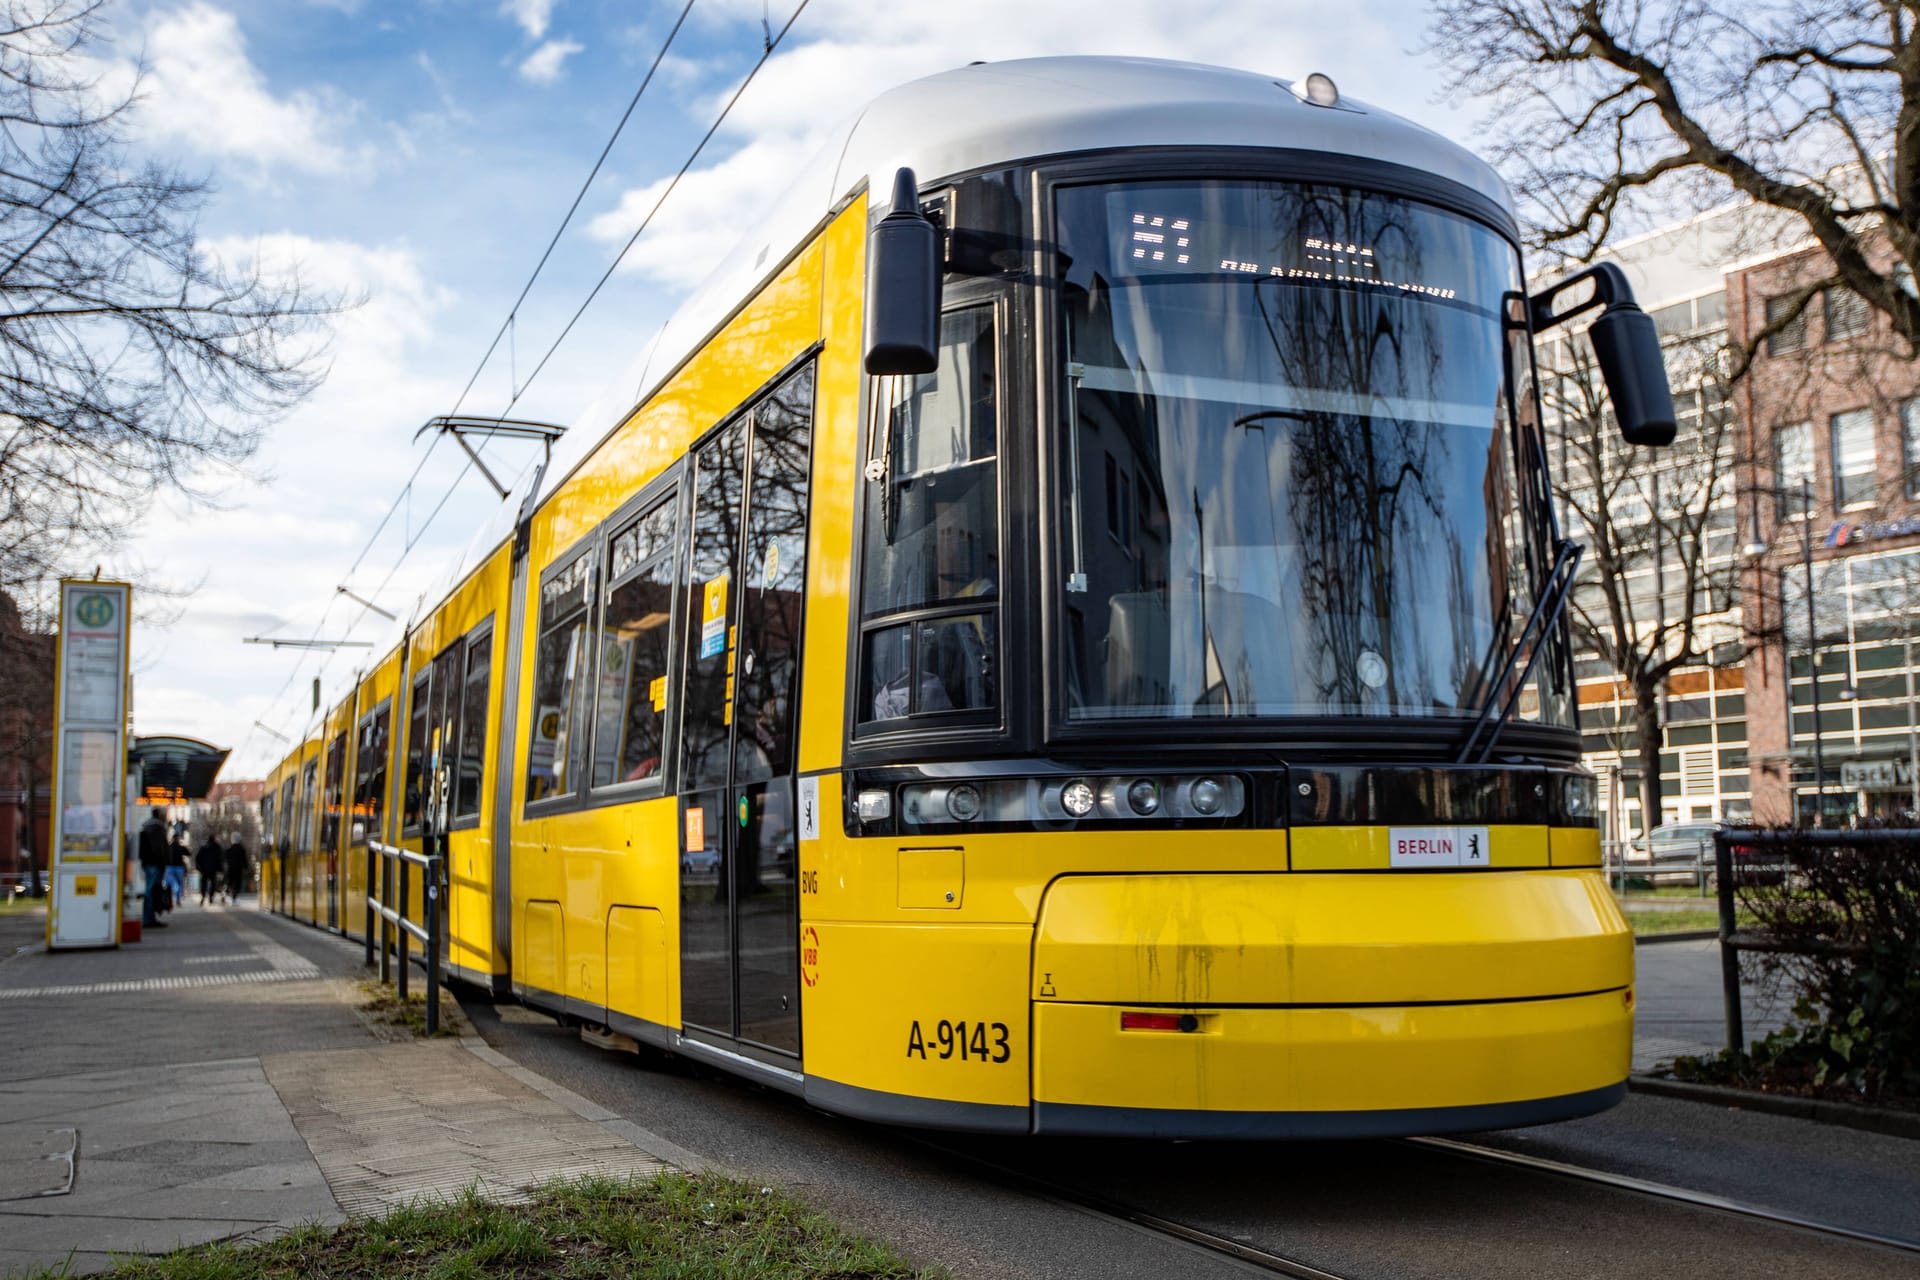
(994, 114)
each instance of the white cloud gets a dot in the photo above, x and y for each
(543, 65)
(203, 92)
(852, 52)
(532, 15)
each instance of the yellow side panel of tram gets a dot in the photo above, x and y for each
(584, 882)
(471, 941)
(833, 493)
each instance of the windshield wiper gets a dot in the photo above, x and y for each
(1505, 695)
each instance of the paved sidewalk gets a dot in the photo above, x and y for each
(219, 1081)
(1679, 1007)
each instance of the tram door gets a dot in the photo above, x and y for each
(739, 906)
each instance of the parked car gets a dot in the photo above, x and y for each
(1674, 853)
(700, 862)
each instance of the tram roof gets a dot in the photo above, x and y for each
(975, 118)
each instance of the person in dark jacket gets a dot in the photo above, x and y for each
(238, 870)
(153, 865)
(211, 865)
(178, 860)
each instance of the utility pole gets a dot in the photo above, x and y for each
(1813, 656)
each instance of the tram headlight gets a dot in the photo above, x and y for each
(1579, 797)
(1207, 797)
(1077, 798)
(963, 802)
(1143, 797)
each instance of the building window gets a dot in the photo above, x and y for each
(1910, 439)
(1791, 336)
(1852, 434)
(1846, 313)
(1793, 469)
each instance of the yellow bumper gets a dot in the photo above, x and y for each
(1324, 1072)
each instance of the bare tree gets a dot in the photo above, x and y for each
(1660, 573)
(131, 362)
(1806, 107)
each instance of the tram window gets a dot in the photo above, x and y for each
(413, 804)
(284, 832)
(629, 733)
(933, 665)
(473, 724)
(332, 796)
(370, 776)
(303, 820)
(443, 732)
(933, 520)
(559, 686)
(932, 535)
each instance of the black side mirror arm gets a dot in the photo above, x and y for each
(1627, 346)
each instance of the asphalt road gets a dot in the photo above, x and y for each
(1375, 1209)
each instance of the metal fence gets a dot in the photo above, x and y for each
(1756, 845)
(1687, 867)
(387, 869)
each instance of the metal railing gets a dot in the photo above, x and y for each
(1619, 866)
(1732, 941)
(387, 869)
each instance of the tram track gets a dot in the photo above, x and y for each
(1255, 1259)
(1268, 1262)
(1662, 1191)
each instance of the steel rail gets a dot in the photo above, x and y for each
(1663, 1191)
(1151, 1223)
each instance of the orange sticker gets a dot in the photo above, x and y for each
(696, 829)
(809, 956)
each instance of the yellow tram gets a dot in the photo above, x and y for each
(1080, 653)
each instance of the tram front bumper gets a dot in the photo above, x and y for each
(1329, 1005)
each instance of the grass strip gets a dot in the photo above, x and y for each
(1647, 923)
(675, 1225)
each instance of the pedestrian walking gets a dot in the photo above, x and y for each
(212, 866)
(153, 865)
(176, 877)
(238, 870)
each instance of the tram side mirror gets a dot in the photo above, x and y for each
(903, 287)
(1626, 346)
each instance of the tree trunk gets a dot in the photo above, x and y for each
(1646, 723)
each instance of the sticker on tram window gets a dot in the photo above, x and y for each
(966, 1041)
(1439, 847)
(713, 617)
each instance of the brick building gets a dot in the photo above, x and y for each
(1832, 455)
(26, 742)
(1820, 471)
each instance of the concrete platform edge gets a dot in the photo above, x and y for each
(652, 1143)
(1895, 1124)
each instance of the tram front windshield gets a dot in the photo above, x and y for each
(1290, 489)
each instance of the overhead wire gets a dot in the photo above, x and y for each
(414, 536)
(574, 208)
(705, 138)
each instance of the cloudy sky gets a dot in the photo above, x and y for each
(421, 153)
